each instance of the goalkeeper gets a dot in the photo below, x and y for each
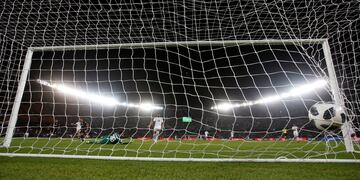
(113, 138)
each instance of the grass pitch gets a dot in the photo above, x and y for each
(54, 168)
(184, 149)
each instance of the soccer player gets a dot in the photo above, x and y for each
(232, 135)
(55, 127)
(78, 128)
(295, 132)
(26, 135)
(113, 138)
(206, 134)
(159, 125)
(284, 132)
(81, 129)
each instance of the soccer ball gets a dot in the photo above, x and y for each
(327, 116)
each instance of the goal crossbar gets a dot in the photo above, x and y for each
(182, 43)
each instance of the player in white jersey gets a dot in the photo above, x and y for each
(206, 133)
(159, 125)
(78, 128)
(295, 131)
(81, 129)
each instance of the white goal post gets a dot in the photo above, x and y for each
(336, 92)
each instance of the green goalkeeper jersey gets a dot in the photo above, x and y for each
(111, 139)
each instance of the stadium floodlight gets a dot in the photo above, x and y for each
(74, 92)
(149, 107)
(293, 93)
(268, 100)
(223, 106)
(307, 88)
(98, 99)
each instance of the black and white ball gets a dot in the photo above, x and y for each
(327, 116)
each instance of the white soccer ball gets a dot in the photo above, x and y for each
(327, 116)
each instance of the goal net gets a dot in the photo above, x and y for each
(186, 80)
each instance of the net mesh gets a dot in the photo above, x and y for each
(120, 89)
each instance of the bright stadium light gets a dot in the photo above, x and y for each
(148, 107)
(84, 95)
(268, 100)
(223, 106)
(98, 99)
(307, 88)
(293, 93)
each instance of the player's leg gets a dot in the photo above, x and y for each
(153, 137)
(77, 133)
(296, 135)
(82, 135)
(156, 135)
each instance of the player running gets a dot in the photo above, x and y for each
(159, 125)
(284, 133)
(81, 129)
(295, 131)
(206, 133)
(232, 135)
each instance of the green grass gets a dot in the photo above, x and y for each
(53, 168)
(184, 149)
